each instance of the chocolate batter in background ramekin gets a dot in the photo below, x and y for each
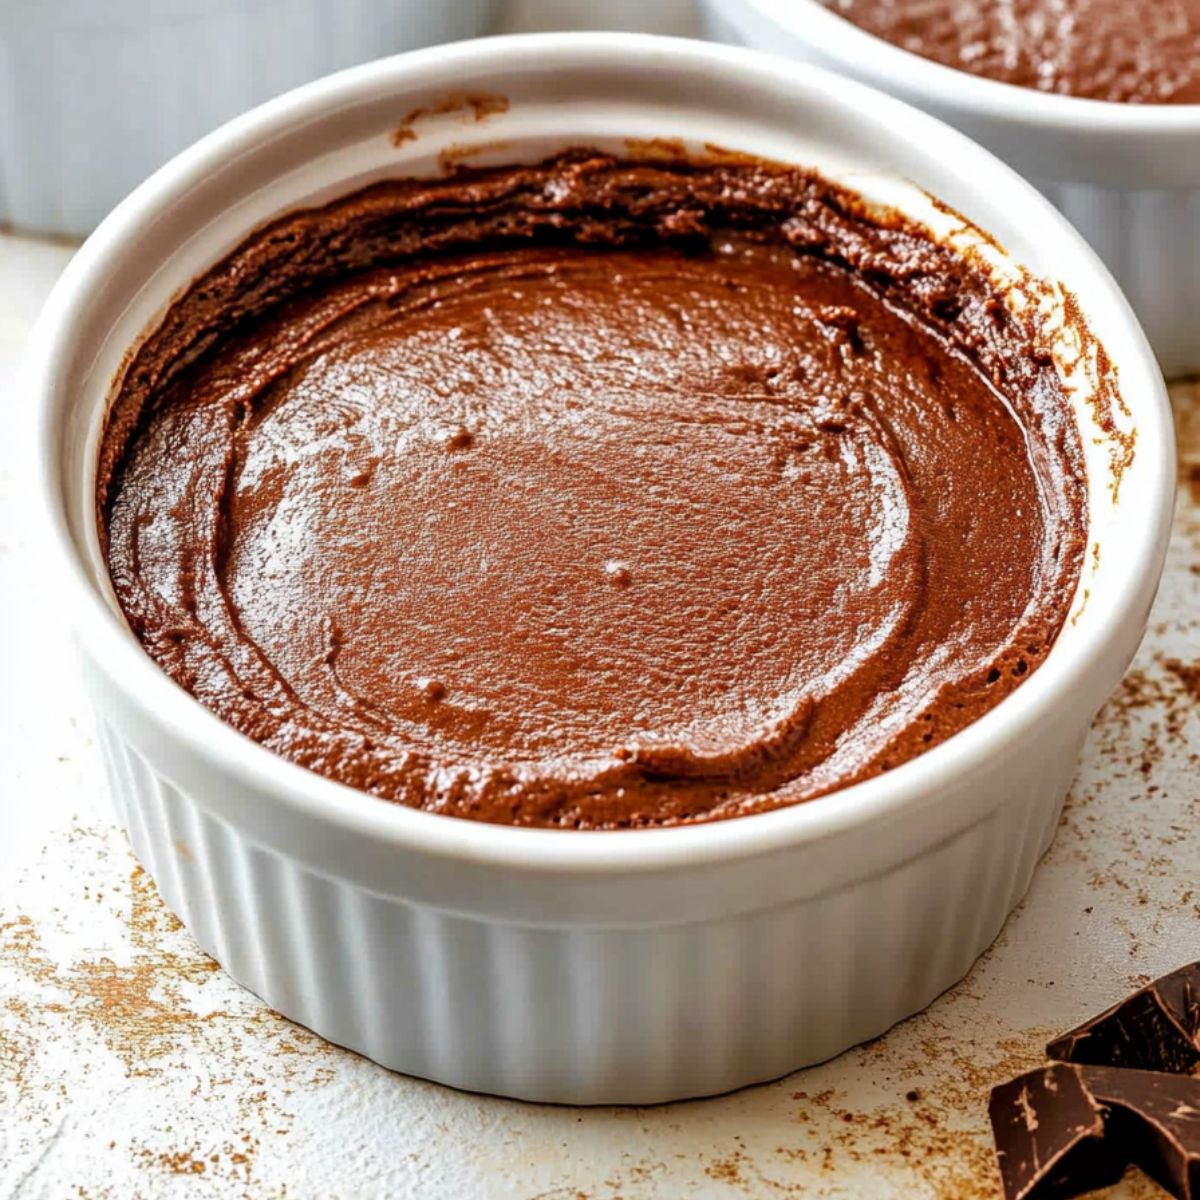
(1096, 49)
(594, 494)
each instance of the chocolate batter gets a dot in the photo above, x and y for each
(594, 494)
(1101, 49)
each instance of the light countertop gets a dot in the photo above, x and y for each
(130, 1066)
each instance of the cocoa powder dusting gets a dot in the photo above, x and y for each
(145, 1001)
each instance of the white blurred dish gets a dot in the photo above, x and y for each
(97, 94)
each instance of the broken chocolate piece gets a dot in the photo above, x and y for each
(1067, 1129)
(1049, 1133)
(1154, 1122)
(1155, 1029)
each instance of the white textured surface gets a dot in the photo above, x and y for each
(130, 1067)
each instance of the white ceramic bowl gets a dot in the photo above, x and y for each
(1127, 175)
(632, 966)
(95, 94)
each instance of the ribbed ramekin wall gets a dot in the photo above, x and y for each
(581, 1015)
(1150, 241)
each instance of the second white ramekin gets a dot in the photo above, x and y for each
(1126, 175)
(633, 966)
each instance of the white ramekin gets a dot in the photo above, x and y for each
(582, 967)
(1126, 175)
(95, 94)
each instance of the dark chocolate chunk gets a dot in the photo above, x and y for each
(1155, 1029)
(1154, 1120)
(1066, 1129)
(1049, 1133)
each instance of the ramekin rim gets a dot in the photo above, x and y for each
(164, 704)
(964, 91)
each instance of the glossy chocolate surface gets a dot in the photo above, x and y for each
(594, 494)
